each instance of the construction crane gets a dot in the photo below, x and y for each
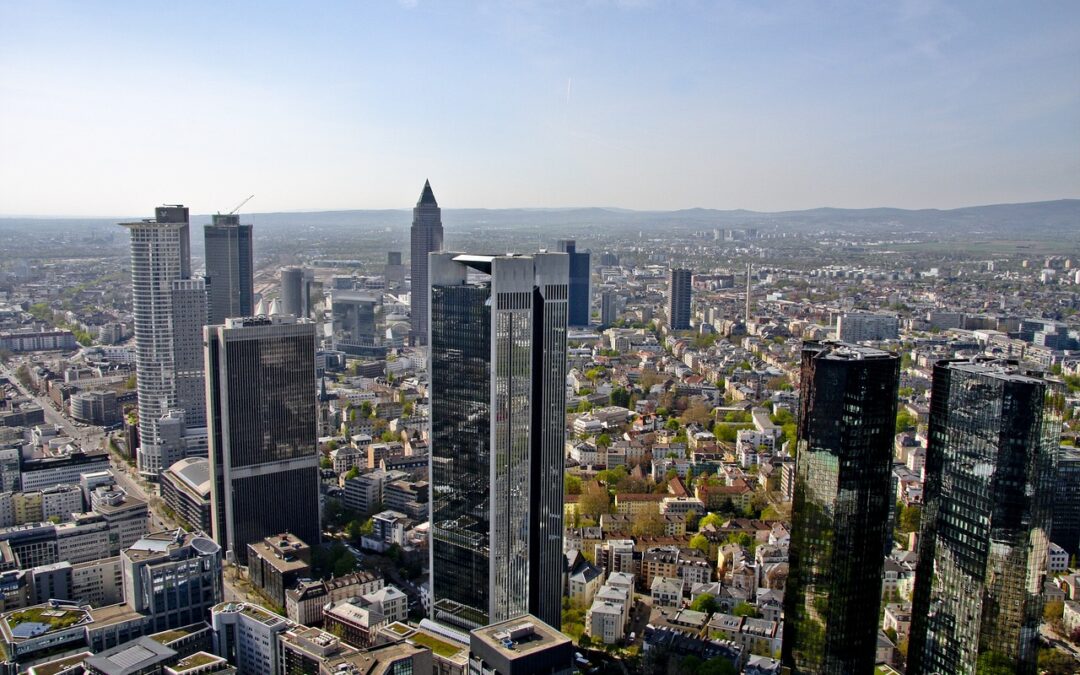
(250, 197)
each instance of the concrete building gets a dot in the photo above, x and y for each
(185, 488)
(276, 563)
(173, 578)
(867, 327)
(679, 292)
(160, 274)
(426, 236)
(247, 635)
(524, 645)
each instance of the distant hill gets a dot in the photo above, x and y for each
(1033, 219)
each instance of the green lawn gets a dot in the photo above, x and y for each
(436, 645)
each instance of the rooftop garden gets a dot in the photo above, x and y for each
(436, 645)
(196, 660)
(53, 617)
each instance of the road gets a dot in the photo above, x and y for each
(1055, 641)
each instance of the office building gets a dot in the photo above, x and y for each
(247, 635)
(229, 268)
(297, 287)
(523, 645)
(353, 320)
(580, 298)
(173, 578)
(95, 407)
(185, 488)
(840, 524)
(1065, 531)
(498, 372)
(160, 275)
(394, 272)
(263, 444)
(189, 375)
(277, 563)
(679, 290)
(426, 236)
(867, 327)
(609, 308)
(990, 472)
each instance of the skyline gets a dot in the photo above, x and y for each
(624, 104)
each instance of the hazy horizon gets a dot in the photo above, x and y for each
(116, 107)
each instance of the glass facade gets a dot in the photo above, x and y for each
(261, 383)
(579, 300)
(229, 268)
(498, 372)
(842, 497)
(461, 447)
(990, 468)
(1065, 531)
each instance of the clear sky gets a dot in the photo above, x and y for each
(109, 108)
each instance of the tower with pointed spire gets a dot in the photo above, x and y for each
(426, 237)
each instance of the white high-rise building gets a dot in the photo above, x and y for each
(169, 310)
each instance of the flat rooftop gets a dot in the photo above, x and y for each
(519, 636)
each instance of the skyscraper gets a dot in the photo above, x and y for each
(679, 288)
(580, 296)
(609, 308)
(1066, 521)
(426, 237)
(990, 470)
(354, 320)
(840, 511)
(264, 459)
(296, 285)
(498, 369)
(168, 315)
(229, 268)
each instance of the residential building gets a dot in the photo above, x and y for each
(843, 497)
(609, 308)
(229, 268)
(426, 236)
(993, 441)
(679, 291)
(304, 603)
(498, 373)
(867, 327)
(261, 395)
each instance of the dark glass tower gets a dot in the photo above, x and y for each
(580, 297)
(990, 469)
(679, 288)
(264, 460)
(1065, 531)
(229, 268)
(498, 372)
(840, 513)
(426, 237)
(354, 321)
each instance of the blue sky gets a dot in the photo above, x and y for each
(108, 108)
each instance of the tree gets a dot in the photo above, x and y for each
(648, 524)
(746, 609)
(572, 484)
(326, 463)
(910, 518)
(1056, 662)
(603, 441)
(994, 663)
(699, 542)
(713, 519)
(352, 473)
(619, 397)
(331, 445)
(699, 413)
(905, 421)
(353, 530)
(594, 503)
(706, 602)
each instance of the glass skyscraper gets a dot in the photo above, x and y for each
(580, 302)
(840, 513)
(498, 400)
(426, 236)
(264, 459)
(990, 470)
(229, 268)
